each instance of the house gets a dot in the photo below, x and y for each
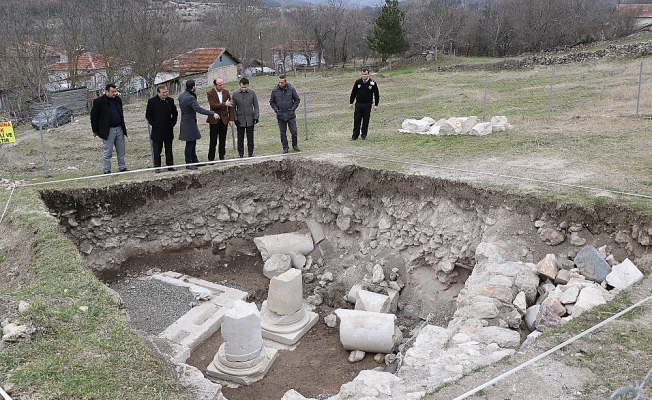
(297, 53)
(91, 72)
(203, 65)
(642, 14)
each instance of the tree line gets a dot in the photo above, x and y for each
(148, 32)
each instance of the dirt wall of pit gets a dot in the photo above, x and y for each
(433, 225)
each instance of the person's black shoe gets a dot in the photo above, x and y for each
(172, 169)
(251, 154)
(352, 139)
(124, 170)
(296, 148)
(241, 155)
(158, 171)
(222, 158)
(193, 167)
(106, 172)
(364, 138)
(285, 151)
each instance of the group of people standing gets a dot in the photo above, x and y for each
(239, 108)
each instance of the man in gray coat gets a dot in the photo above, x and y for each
(188, 130)
(245, 105)
(284, 102)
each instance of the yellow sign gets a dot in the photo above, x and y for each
(7, 133)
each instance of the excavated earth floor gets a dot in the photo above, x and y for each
(420, 229)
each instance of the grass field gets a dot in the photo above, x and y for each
(582, 144)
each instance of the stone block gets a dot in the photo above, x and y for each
(284, 243)
(285, 296)
(370, 301)
(277, 264)
(368, 331)
(623, 274)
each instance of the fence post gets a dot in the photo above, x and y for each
(416, 85)
(45, 160)
(233, 137)
(484, 102)
(552, 81)
(305, 113)
(640, 81)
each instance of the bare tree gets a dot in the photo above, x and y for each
(28, 51)
(155, 37)
(432, 23)
(237, 25)
(71, 35)
(108, 35)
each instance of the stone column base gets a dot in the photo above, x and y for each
(242, 372)
(286, 329)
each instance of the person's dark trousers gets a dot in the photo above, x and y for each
(218, 139)
(158, 148)
(282, 127)
(361, 115)
(190, 152)
(250, 140)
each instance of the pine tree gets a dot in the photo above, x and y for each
(387, 37)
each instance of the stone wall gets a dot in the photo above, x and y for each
(427, 221)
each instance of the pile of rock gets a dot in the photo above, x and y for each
(455, 126)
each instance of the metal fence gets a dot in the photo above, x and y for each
(619, 89)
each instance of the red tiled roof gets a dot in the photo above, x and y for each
(638, 10)
(296, 45)
(197, 60)
(87, 62)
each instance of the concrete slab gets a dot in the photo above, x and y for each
(201, 322)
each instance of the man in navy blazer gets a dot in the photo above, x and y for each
(162, 114)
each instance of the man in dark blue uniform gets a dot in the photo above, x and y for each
(365, 95)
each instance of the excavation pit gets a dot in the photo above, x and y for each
(420, 232)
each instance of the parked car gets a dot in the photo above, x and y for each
(53, 116)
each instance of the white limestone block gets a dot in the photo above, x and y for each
(285, 294)
(456, 124)
(241, 331)
(370, 301)
(623, 275)
(482, 129)
(505, 338)
(367, 331)
(277, 264)
(378, 274)
(284, 243)
(351, 297)
(520, 303)
(570, 295)
(297, 259)
(434, 130)
(316, 230)
(588, 298)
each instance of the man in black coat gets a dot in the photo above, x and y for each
(108, 122)
(284, 101)
(365, 95)
(162, 114)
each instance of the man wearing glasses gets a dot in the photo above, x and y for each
(219, 100)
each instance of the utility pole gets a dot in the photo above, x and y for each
(262, 64)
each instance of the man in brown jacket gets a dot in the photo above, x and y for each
(219, 100)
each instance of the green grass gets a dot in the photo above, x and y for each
(77, 354)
